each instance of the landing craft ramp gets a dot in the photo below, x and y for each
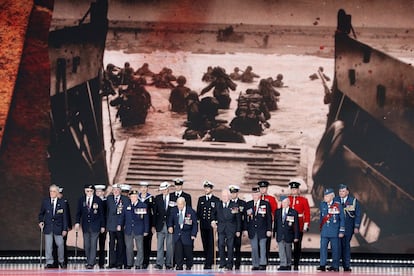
(223, 163)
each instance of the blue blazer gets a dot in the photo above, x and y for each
(135, 219)
(258, 223)
(92, 219)
(190, 226)
(113, 211)
(56, 223)
(352, 212)
(336, 222)
(228, 219)
(286, 230)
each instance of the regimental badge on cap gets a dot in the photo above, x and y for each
(116, 186)
(208, 184)
(133, 192)
(164, 185)
(89, 186)
(328, 191)
(263, 183)
(178, 181)
(294, 183)
(234, 189)
(256, 189)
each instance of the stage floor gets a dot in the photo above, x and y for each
(78, 269)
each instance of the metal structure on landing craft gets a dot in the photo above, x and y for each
(369, 140)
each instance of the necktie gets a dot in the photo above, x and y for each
(166, 203)
(181, 218)
(53, 206)
(284, 214)
(117, 200)
(89, 203)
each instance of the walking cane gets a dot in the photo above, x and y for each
(41, 247)
(214, 246)
(76, 246)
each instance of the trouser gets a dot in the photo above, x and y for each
(285, 253)
(116, 248)
(101, 253)
(324, 251)
(58, 239)
(297, 250)
(138, 240)
(182, 252)
(90, 242)
(147, 248)
(237, 251)
(166, 237)
(65, 251)
(226, 245)
(258, 251)
(345, 250)
(207, 238)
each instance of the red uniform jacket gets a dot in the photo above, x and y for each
(301, 205)
(272, 201)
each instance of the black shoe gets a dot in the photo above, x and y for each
(49, 266)
(158, 266)
(119, 266)
(221, 267)
(295, 267)
(89, 266)
(255, 268)
(262, 267)
(110, 266)
(321, 268)
(207, 267)
(144, 266)
(347, 269)
(237, 267)
(179, 268)
(168, 267)
(138, 267)
(128, 266)
(188, 268)
(332, 269)
(63, 265)
(101, 267)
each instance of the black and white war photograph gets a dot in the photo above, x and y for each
(206, 137)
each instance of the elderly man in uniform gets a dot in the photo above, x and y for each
(234, 194)
(183, 225)
(134, 221)
(205, 208)
(54, 224)
(264, 186)
(114, 206)
(258, 227)
(100, 192)
(90, 214)
(352, 212)
(178, 183)
(125, 189)
(332, 227)
(162, 209)
(286, 230)
(148, 199)
(227, 221)
(301, 205)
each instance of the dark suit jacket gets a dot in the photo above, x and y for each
(160, 213)
(286, 230)
(185, 195)
(205, 210)
(56, 223)
(258, 223)
(135, 219)
(228, 219)
(190, 226)
(93, 218)
(113, 211)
